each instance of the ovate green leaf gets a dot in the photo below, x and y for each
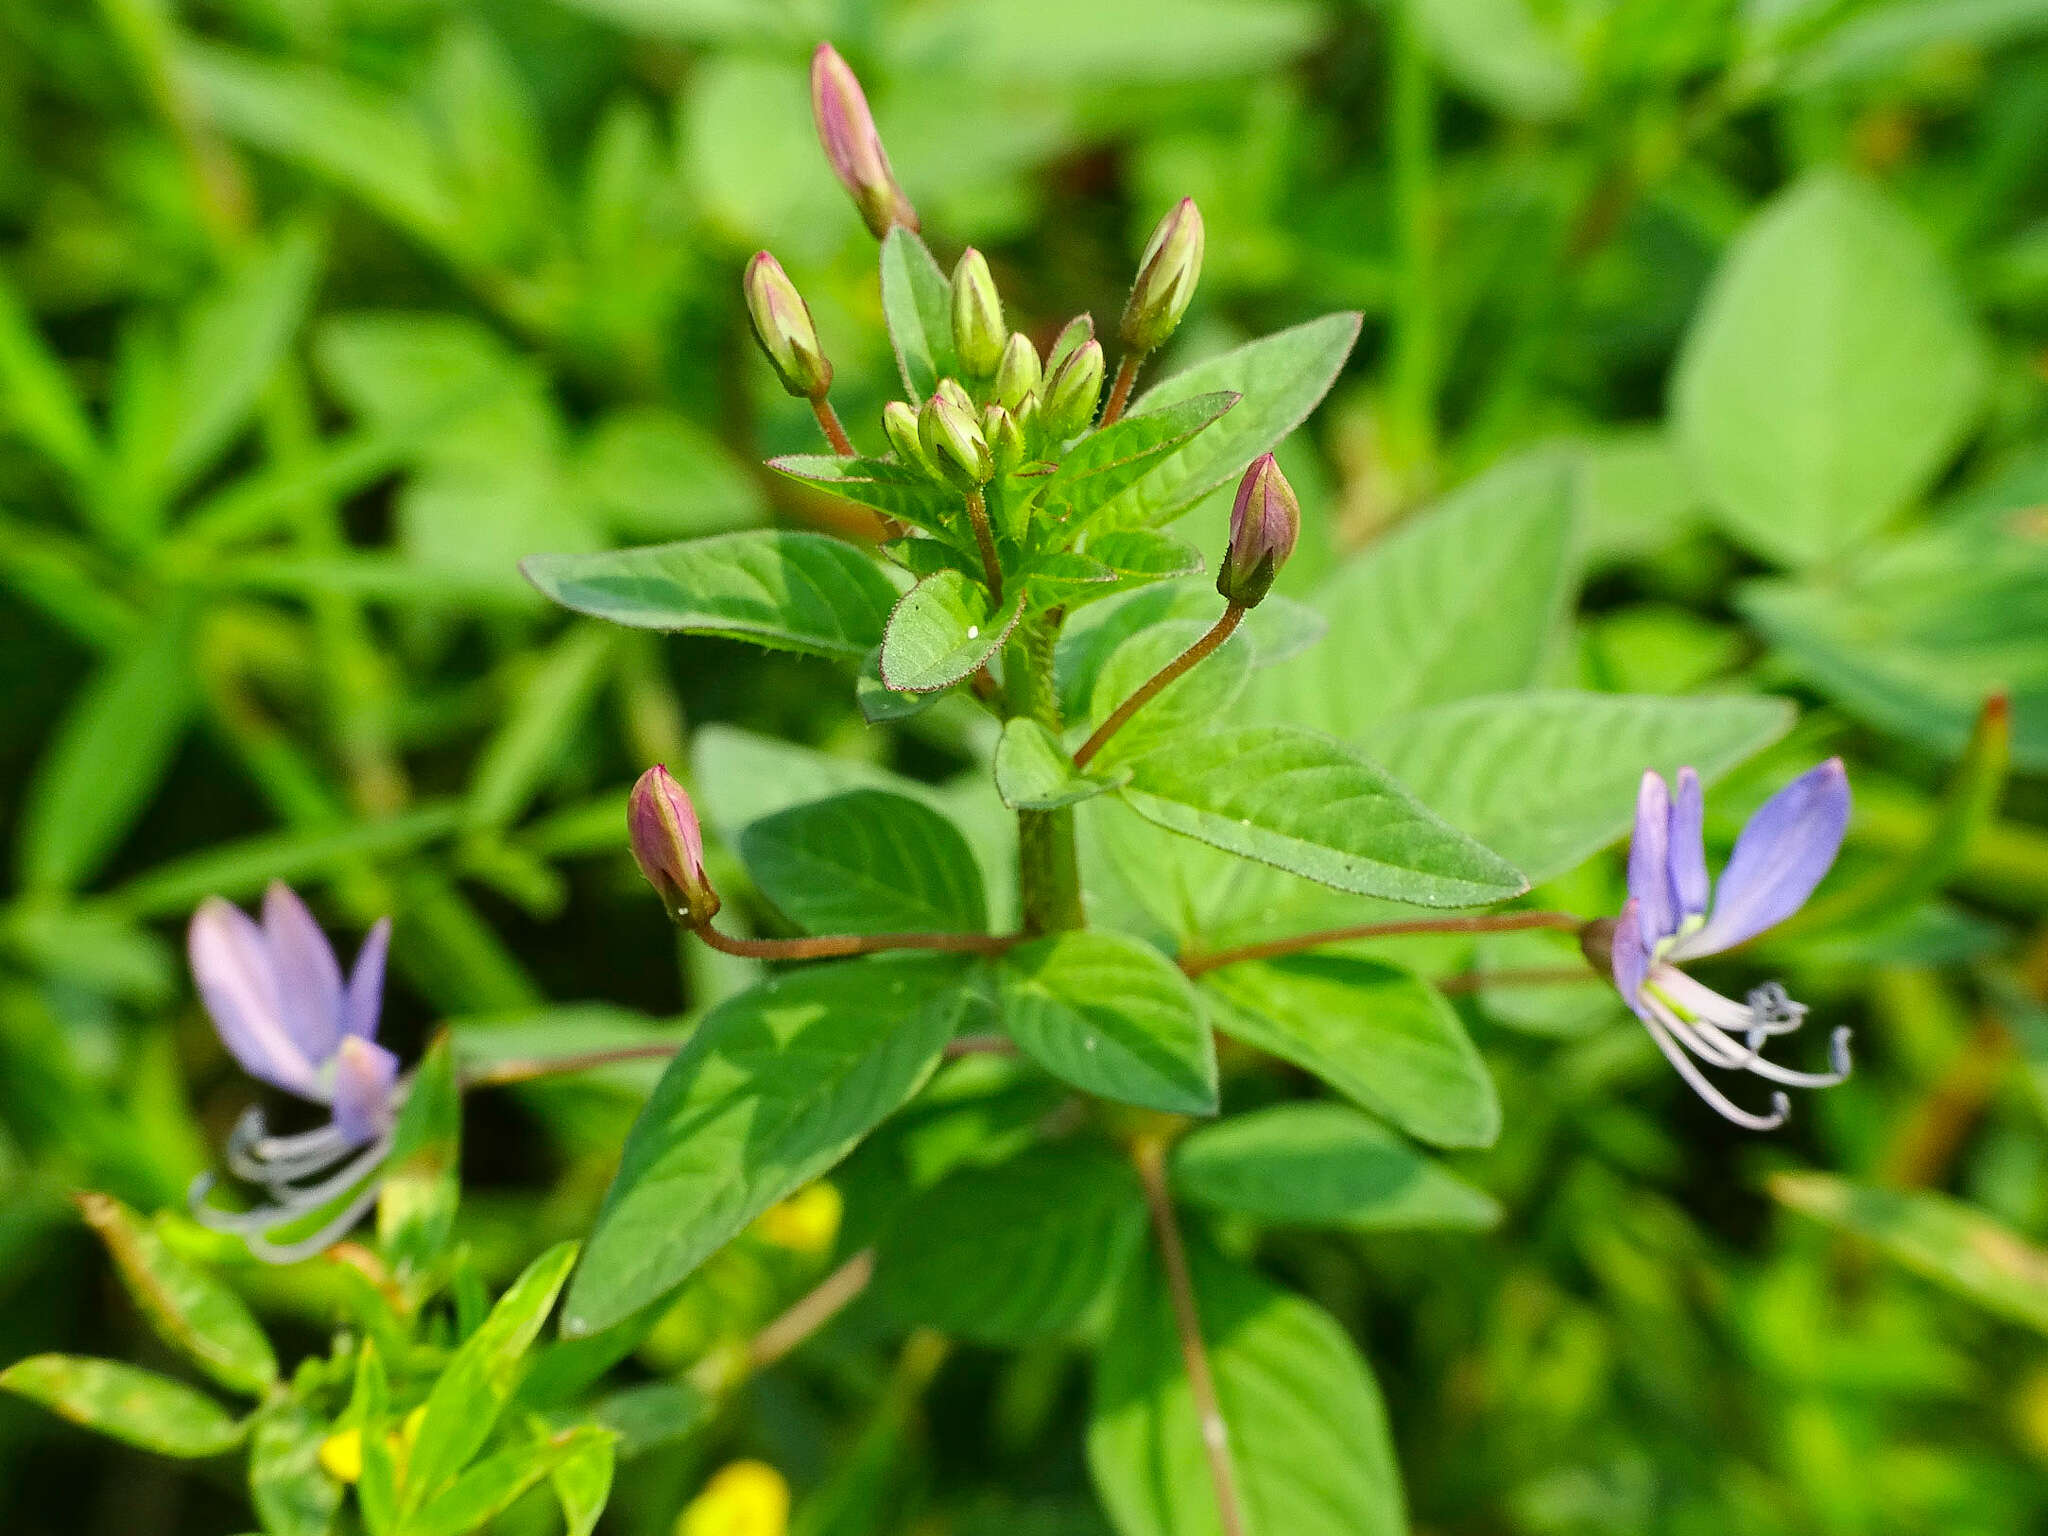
(1304, 803)
(866, 862)
(1323, 1165)
(1378, 1035)
(788, 591)
(776, 1086)
(1112, 1016)
(125, 1403)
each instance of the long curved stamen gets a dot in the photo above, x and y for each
(292, 1203)
(255, 1155)
(1781, 1104)
(1697, 1035)
(316, 1242)
(1838, 1066)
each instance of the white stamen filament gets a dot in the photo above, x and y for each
(1688, 1017)
(1781, 1105)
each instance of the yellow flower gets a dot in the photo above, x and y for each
(807, 1222)
(748, 1498)
(341, 1455)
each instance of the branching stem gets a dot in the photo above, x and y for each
(1120, 717)
(1150, 1156)
(828, 421)
(525, 1069)
(1120, 391)
(985, 541)
(1491, 922)
(837, 946)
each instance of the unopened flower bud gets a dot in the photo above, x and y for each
(1596, 943)
(954, 443)
(1005, 442)
(1018, 373)
(956, 392)
(899, 425)
(978, 331)
(668, 845)
(1167, 275)
(1029, 426)
(1072, 391)
(847, 130)
(782, 324)
(1264, 523)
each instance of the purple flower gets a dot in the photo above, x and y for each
(284, 1011)
(1779, 858)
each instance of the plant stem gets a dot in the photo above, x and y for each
(1150, 1156)
(525, 1069)
(828, 420)
(1232, 617)
(1048, 865)
(1120, 391)
(836, 946)
(723, 1370)
(1492, 922)
(985, 541)
(1535, 976)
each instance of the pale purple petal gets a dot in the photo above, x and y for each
(1689, 884)
(1649, 860)
(1780, 857)
(237, 980)
(308, 979)
(364, 1075)
(1631, 961)
(365, 997)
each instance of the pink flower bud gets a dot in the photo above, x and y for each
(847, 130)
(782, 325)
(668, 845)
(1264, 523)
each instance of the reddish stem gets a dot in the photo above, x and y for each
(1232, 617)
(1492, 922)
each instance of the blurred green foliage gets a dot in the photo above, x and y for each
(317, 315)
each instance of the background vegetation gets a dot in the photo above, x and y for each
(317, 315)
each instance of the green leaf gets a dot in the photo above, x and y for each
(422, 1176)
(546, 714)
(491, 1487)
(1939, 1239)
(1278, 630)
(1145, 553)
(653, 474)
(1381, 1037)
(292, 1493)
(1112, 1016)
(776, 1086)
(1103, 465)
(1323, 1165)
(651, 1415)
(943, 631)
(1915, 639)
(879, 703)
(1307, 1428)
(1194, 701)
(1282, 378)
(583, 1481)
(107, 757)
(1035, 773)
(787, 591)
(917, 303)
(1025, 1250)
(1546, 779)
(881, 486)
(1304, 803)
(232, 344)
(1831, 373)
(38, 398)
(136, 1406)
(1501, 53)
(1463, 600)
(866, 862)
(190, 1310)
(472, 1389)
